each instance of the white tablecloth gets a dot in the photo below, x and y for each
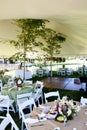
(19, 73)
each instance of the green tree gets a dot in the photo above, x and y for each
(52, 46)
(31, 29)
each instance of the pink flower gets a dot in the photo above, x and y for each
(74, 103)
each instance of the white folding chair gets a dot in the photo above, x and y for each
(85, 71)
(38, 95)
(83, 101)
(51, 94)
(40, 73)
(22, 98)
(46, 72)
(7, 120)
(69, 72)
(10, 81)
(63, 72)
(80, 71)
(39, 83)
(6, 103)
(25, 116)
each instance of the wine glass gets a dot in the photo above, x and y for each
(65, 120)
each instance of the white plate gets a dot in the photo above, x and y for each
(51, 116)
(57, 128)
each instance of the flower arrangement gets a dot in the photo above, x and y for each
(66, 109)
(18, 81)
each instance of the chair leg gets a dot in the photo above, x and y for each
(13, 108)
(22, 125)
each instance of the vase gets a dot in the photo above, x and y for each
(65, 123)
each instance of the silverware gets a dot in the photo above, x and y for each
(37, 125)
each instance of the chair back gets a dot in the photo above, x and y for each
(40, 73)
(10, 81)
(39, 83)
(25, 116)
(8, 119)
(22, 98)
(6, 103)
(24, 95)
(26, 104)
(38, 93)
(83, 101)
(51, 94)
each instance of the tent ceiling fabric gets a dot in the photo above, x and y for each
(7, 50)
(39, 8)
(68, 17)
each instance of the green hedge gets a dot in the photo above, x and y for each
(72, 94)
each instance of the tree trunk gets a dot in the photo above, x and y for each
(24, 47)
(51, 74)
(24, 66)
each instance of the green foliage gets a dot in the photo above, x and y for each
(72, 94)
(30, 30)
(1, 72)
(4, 79)
(52, 46)
(53, 40)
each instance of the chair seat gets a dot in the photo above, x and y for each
(22, 100)
(26, 116)
(6, 103)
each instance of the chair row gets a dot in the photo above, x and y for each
(64, 72)
(30, 103)
(6, 103)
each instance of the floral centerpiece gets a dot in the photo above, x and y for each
(66, 109)
(18, 81)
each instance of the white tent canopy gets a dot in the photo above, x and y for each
(68, 17)
(7, 50)
(10, 9)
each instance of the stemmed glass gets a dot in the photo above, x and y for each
(65, 120)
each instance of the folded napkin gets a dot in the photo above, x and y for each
(42, 115)
(43, 107)
(83, 105)
(74, 129)
(51, 116)
(31, 121)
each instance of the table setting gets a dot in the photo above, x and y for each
(17, 88)
(65, 114)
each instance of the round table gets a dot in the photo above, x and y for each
(13, 91)
(79, 122)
